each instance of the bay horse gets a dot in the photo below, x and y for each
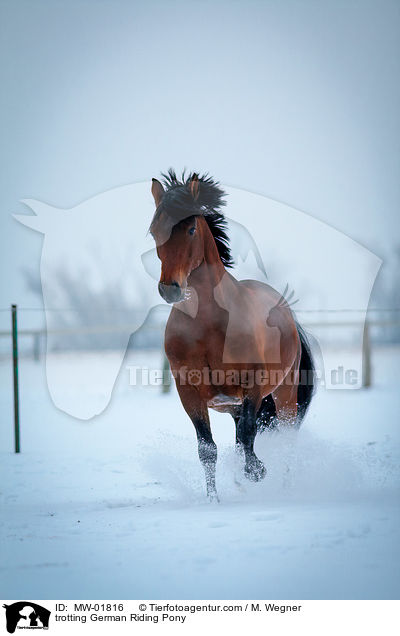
(233, 346)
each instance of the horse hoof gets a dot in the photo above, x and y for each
(255, 471)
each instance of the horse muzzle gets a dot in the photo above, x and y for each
(172, 293)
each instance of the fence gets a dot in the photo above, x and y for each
(38, 337)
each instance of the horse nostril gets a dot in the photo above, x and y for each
(171, 293)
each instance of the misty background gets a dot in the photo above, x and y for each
(294, 100)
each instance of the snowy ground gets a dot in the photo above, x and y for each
(115, 508)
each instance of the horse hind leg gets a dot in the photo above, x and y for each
(285, 400)
(266, 416)
(235, 412)
(246, 430)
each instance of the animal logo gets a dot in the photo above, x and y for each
(25, 614)
(194, 377)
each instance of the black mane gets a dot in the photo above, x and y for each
(178, 203)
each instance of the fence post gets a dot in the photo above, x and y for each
(36, 346)
(166, 381)
(15, 375)
(366, 357)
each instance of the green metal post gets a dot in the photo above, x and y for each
(366, 357)
(166, 383)
(15, 374)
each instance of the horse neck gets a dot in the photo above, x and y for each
(209, 275)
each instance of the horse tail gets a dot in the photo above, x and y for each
(305, 390)
(266, 416)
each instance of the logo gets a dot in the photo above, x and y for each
(26, 615)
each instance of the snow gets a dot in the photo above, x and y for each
(115, 507)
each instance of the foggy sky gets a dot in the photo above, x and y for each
(296, 100)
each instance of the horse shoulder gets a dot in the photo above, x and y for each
(180, 335)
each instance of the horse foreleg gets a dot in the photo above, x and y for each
(207, 454)
(246, 430)
(198, 413)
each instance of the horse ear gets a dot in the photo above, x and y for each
(194, 186)
(157, 191)
(45, 215)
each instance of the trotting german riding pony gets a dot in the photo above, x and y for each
(233, 346)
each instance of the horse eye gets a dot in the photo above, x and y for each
(192, 230)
